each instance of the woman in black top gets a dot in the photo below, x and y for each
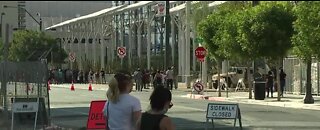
(155, 118)
(270, 83)
(282, 81)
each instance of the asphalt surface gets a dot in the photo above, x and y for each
(69, 109)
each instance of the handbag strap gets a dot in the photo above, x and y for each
(107, 124)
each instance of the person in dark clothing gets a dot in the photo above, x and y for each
(282, 81)
(269, 84)
(145, 79)
(158, 79)
(102, 76)
(155, 118)
(86, 77)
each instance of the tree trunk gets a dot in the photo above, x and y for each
(219, 71)
(278, 78)
(308, 98)
(255, 3)
(249, 80)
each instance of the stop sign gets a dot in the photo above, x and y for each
(200, 53)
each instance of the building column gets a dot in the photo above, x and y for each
(194, 47)
(149, 45)
(173, 41)
(103, 51)
(187, 45)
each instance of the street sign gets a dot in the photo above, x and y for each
(201, 53)
(161, 8)
(199, 40)
(24, 107)
(72, 56)
(96, 119)
(223, 111)
(198, 87)
(121, 52)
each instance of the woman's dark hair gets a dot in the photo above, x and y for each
(159, 97)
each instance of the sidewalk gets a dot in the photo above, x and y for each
(289, 100)
(82, 86)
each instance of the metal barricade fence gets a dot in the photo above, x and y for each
(296, 75)
(25, 80)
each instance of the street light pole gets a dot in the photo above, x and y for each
(168, 48)
(38, 22)
(1, 24)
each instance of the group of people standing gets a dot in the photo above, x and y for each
(123, 111)
(157, 78)
(59, 76)
(270, 84)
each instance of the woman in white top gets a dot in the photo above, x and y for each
(121, 110)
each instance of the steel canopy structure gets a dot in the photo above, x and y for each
(107, 29)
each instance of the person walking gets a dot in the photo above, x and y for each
(270, 83)
(102, 76)
(138, 79)
(122, 110)
(282, 81)
(157, 79)
(155, 118)
(169, 78)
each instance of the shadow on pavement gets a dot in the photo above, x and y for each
(75, 118)
(70, 118)
(186, 124)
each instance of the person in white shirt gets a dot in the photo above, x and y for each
(169, 78)
(122, 110)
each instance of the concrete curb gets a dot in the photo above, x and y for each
(288, 104)
(81, 86)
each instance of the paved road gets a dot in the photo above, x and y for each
(70, 110)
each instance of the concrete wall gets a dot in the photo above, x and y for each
(11, 15)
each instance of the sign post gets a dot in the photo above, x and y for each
(223, 111)
(96, 118)
(161, 8)
(72, 58)
(201, 53)
(121, 52)
(198, 87)
(25, 107)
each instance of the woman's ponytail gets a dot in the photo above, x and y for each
(113, 91)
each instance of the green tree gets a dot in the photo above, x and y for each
(214, 32)
(265, 32)
(31, 45)
(207, 29)
(306, 39)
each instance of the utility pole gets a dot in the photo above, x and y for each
(2, 14)
(161, 39)
(4, 72)
(254, 3)
(167, 57)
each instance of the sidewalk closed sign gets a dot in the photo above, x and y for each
(23, 107)
(222, 111)
(96, 119)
